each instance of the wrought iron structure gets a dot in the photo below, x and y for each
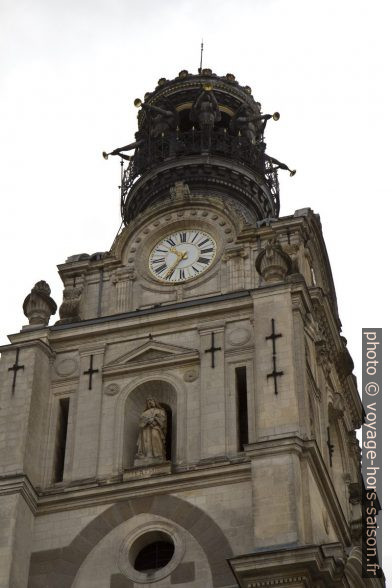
(155, 151)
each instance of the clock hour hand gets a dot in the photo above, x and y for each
(178, 253)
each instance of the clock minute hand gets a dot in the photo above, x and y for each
(180, 256)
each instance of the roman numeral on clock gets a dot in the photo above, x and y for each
(203, 260)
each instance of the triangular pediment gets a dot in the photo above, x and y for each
(152, 351)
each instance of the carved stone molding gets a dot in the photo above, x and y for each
(66, 366)
(336, 408)
(112, 389)
(233, 252)
(123, 274)
(310, 565)
(122, 278)
(323, 356)
(191, 375)
(180, 191)
(238, 336)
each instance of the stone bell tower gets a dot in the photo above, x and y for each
(190, 418)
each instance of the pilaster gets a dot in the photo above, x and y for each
(212, 391)
(25, 374)
(88, 413)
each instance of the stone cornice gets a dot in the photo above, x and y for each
(20, 484)
(301, 301)
(98, 492)
(91, 349)
(107, 491)
(292, 565)
(23, 341)
(200, 306)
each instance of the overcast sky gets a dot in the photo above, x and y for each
(70, 71)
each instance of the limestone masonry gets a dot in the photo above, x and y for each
(190, 418)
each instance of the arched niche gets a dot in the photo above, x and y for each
(165, 394)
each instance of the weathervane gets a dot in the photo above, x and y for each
(201, 56)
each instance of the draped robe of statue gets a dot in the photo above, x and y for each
(151, 443)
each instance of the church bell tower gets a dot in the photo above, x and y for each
(190, 418)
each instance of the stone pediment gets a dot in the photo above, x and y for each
(152, 353)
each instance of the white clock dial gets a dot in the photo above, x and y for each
(182, 256)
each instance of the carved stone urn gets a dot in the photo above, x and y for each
(272, 263)
(38, 306)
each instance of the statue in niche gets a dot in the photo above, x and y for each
(151, 442)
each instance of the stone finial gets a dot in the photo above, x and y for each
(69, 310)
(272, 263)
(38, 306)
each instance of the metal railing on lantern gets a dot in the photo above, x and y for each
(155, 151)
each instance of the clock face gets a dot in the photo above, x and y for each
(182, 256)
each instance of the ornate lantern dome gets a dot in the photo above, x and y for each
(205, 130)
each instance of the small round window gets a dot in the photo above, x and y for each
(151, 552)
(154, 556)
